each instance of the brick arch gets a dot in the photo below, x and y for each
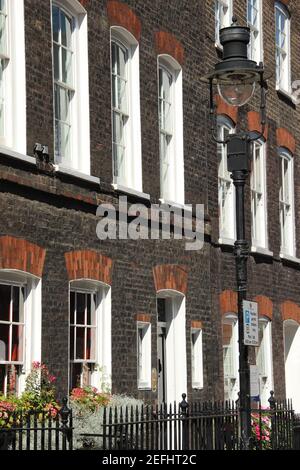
(120, 14)
(285, 139)
(290, 311)
(89, 265)
(265, 306)
(166, 43)
(170, 276)
(17, 253)
(226, 109)
(254, 124)
(228, 302)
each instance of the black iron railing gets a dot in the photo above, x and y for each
(195, 426)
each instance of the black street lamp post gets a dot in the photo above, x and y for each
(236, 77)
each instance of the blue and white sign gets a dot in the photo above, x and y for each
(250, 314)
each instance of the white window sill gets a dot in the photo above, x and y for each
(291, 258)
(226, 241)
(77, 174)
(176, 204)
(16, 155)
(262, 251)
(197, 386)
(133, 192)
(218, 46)
(286, 93)
(144, 386)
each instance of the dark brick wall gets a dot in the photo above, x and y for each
(48, 210)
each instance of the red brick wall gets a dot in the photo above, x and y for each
(89, 265)
(17, 253)
(170, 277)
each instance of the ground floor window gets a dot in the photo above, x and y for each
(90, 335)
(230, 357)
(20, 329)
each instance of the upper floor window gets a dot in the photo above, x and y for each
(286, 202)
(258, 196)
(20, 329)
(171, 130)
(264, 359)
(254, 20)
(90, 335)
(71, 98)
(230, 357)
(126, 126)
(12, 75)
(226, 188)
(282, 34)
(223, 16)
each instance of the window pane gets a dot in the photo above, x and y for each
(72, 308)
(3, 45)
(75, 375)
(67, 67)
(80, 343)
(57, 72)
(17, 343)
(90, 344)
(17, 308)
(66, 30)
(72, 328)
(5, 297)
(80, 308)
(118, 125)
(4, 342)
(2, 109)
(2, 376)
(55, 23)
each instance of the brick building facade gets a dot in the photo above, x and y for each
(48, 241)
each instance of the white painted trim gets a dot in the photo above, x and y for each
(15, 80)
(80, 116)
(32, 317)
(16, 155)
(174, 190)
(144, 382)
(226, 241)
(291, 335)
(133, 145)
(287, 91)
(197, 379)
(77, 174)
(133, 192)
(262, 251)
(176, 367)
(293, 259)
(232, 319)
(101, 375)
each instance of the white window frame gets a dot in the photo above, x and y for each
(79, 105)
(197, 358)
(100, 376)
(227, 225)
(258, 183)
(14, 79)
(222, 18)
(231, 381)
(144, 355)
(172, 188)
(32, 320)
(283, 74)
(264, 361)
(255, 48)
(176, 360)
(132, 174)
(286, 204)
